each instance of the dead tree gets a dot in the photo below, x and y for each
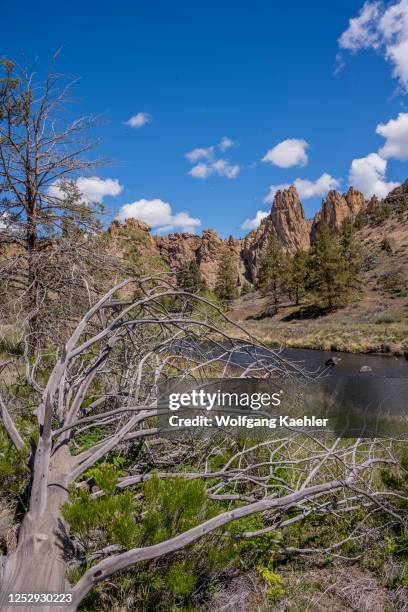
(142, 333)
(45, 221)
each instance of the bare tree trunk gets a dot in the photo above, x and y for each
(39, 563)
(32, 292)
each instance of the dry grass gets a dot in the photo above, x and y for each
(349, 337)
(340, 587)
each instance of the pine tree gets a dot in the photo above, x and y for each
(273, 271)
(227, 275)
(190, 279)
(297, 275)
(327, 270)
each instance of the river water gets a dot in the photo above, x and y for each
(382, 366)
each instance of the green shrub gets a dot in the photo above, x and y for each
(276, 589)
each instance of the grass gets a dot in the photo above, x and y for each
(350, 337)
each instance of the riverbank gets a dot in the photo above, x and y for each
(371, 325)
(349, 337)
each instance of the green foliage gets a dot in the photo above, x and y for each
(132, 242)
(204, 311)
(227, 276)
(107, 519)
(180, 578)
(89, 438)
(169, 507)
(379, 213)
(392, 282)
(14, 474)
(328, 278)
(190, 279)
(172, 506)
(276, 588)
(297, 275)
(273, 271)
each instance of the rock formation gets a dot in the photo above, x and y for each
(398, 197)
(286, 219)
(337, 207)
(132, 230)
(177, 249)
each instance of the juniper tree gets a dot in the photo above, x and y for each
(297, 274)
(190, 278)
(227, 275)
(327, 270)
(273, 271)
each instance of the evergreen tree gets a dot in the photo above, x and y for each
(297, 275)
(227, 275)
(190, 279)
(327, 270)
(273, 271)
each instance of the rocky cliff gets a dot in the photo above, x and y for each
(337, 207)
(172, 251)
(286, 219)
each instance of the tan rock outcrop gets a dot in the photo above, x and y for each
(355, 200)
(286, 220)
(177, 249)
(131, 231)
(337, 207)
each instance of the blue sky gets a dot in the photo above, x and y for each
(260, 73)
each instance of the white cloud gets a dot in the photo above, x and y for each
(206, 164)
(395, 133)
(318, 188)
(158, 215)
(222, 167)
(93, 189)
(254, 223)
(305, 188)
(273, 189)
(369, 175)
(138, 120)
(384, 28)
(200, 153)
(201, 171)
(290, 152)
(226, 143)
(362, 31)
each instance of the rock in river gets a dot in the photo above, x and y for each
(333, 361)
